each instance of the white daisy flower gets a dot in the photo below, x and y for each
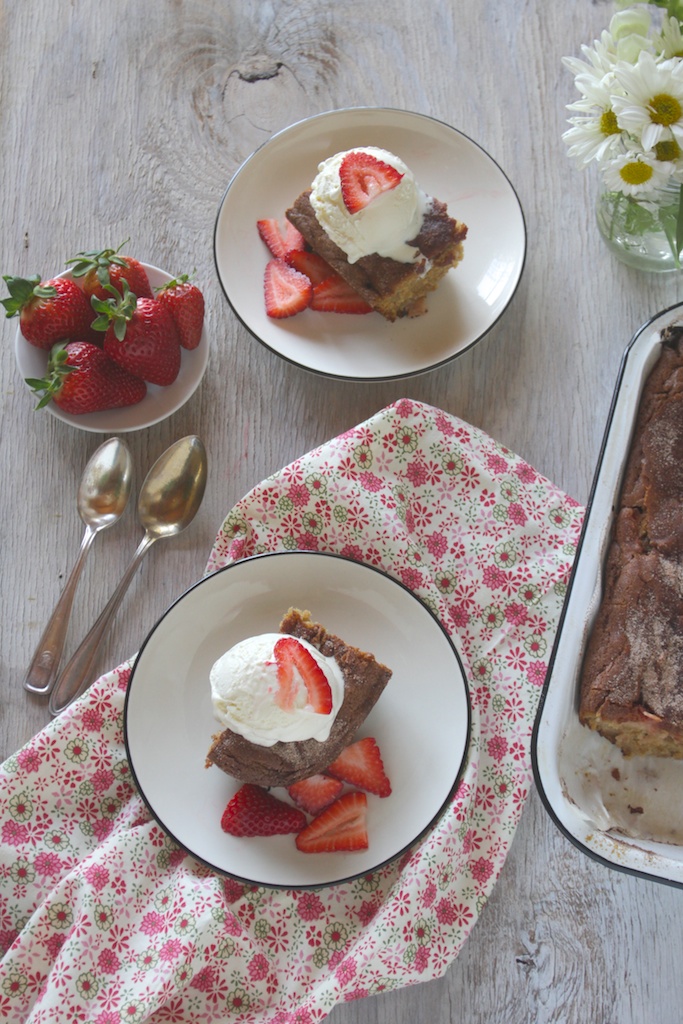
(636, 174)
(596, 137)
(652, 107)
(670, 41)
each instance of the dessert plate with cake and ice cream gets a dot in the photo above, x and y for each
(369, 243)
(241, 694)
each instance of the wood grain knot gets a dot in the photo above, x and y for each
(258, 68)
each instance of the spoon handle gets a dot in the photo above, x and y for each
(42, 672)
(77, 674)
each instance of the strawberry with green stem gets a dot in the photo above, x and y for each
(185, 303)
(81, 378)
(49, 311)
(98, 269)
(139, 334)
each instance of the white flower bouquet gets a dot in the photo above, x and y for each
(629, 119)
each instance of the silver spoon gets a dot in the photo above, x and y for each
(168, 502)
(102, 498)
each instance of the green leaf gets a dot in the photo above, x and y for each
(21, 290)
(679, 227)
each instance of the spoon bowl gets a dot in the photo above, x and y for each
(169, 499)
(102, 498)
(173, 490)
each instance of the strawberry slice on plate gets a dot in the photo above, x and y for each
(360, 764)
(340, 827)
(309, 263)
(254, 811)
(363, 177)
(334, 295)
(287, 292)
(315, 793)
(291, 655)
(279, 242)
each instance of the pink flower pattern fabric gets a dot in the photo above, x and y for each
(105, 920)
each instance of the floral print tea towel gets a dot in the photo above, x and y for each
(104, 920)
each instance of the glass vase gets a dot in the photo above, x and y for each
(643, 232)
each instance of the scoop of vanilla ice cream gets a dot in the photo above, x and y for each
(244, 686)
(385, 226)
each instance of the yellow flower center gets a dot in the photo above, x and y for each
(608, 123)
(636, 173)
(667, 150)
(665, 109)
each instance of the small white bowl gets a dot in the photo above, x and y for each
(158, 404)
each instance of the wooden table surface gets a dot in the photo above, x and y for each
(127, 120)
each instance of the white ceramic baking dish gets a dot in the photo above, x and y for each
(625, 812)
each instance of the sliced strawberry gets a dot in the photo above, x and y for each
(363, 177)
(287, 292)
(279, 242)
(311, 264)
(361, 765)
(315, 793)
(255, 812)
(342, 826)
(334, 295)
(290, 655)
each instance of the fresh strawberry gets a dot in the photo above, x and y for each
(290, 654)
(82, 378)
(309, 263)
(108, 267)
(186, 305)
(315, 793)
(363, 177)
(334, 295)
(255, 812)
(279, 243)
(342, 826)
(286, 290)
(361, 765)
(48, 311)
(141, 336)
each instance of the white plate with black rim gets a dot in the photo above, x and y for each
(421, 722)
(447, 165)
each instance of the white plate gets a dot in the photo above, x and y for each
(421, 722)
(158, 404)
(447, 165)
(588, 786)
